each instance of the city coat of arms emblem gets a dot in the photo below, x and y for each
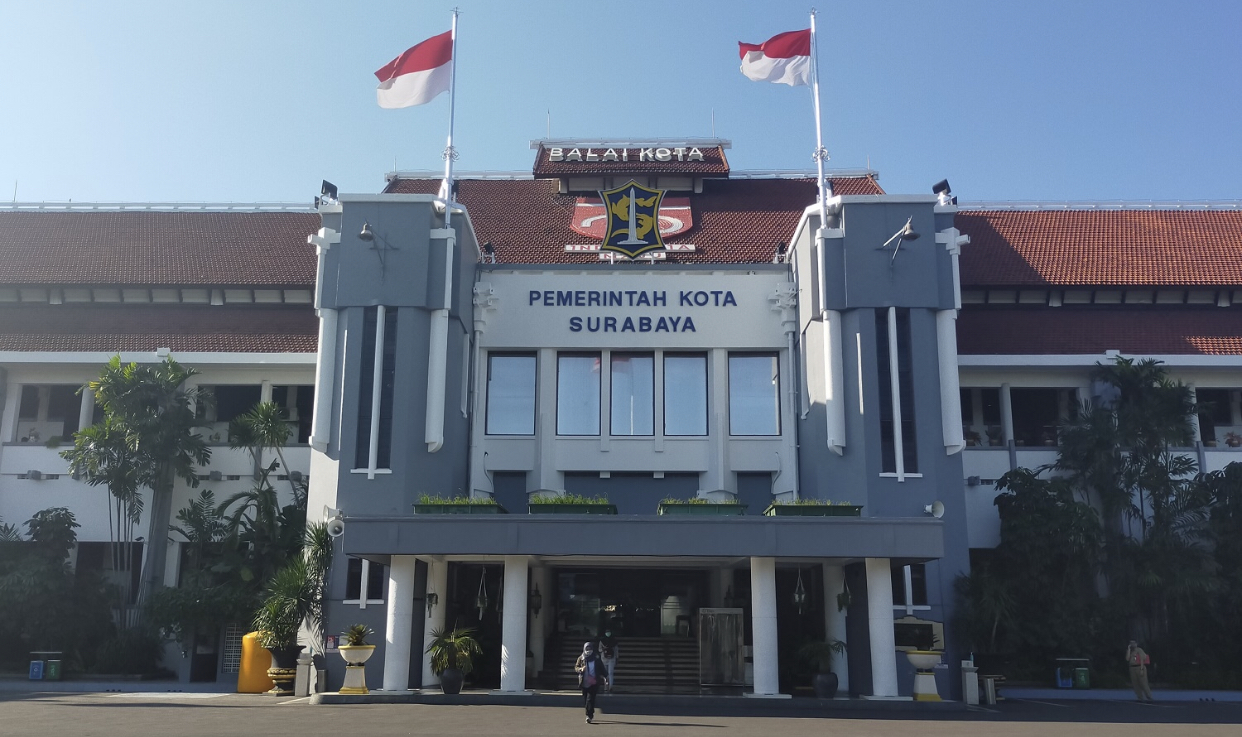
(632, 219)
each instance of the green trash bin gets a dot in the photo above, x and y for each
(51, 670)
(1082, 678)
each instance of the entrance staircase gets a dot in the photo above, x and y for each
(645, 665)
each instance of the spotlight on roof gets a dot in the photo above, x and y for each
(489, 252)
(328, 189)
(367, 234)
(781, 249)
(941, 187)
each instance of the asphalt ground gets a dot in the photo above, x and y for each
(194, 714)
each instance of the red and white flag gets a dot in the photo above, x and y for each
(418, 75)
(785, 59)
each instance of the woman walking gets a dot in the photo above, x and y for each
(591, 670)
(1138, 661)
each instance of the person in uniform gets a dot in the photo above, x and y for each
(1138, 660)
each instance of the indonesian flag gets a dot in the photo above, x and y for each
(418, 75)
(785, 58)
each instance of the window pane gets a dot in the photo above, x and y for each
(633, 395)
(353, 579)
(511, 395)
(376, 573)
(918, 584)
(754, 390)
(577, 395)
(685, 395)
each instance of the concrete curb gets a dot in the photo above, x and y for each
(635, 702)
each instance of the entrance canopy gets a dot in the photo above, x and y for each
(902, 540)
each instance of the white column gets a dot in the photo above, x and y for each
(834, 382)
(325, 378)
(1006, 413)
(513, 625)
(86, 412)
(437, 583)
(763, 626)
(399, 631)
(950, 388)
(880, 621)
(834, 621)
(1196, 434)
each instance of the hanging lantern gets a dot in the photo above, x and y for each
(536, 601)
(480, 601)
(432, 600)
(800, 594)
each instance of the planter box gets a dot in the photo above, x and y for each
(459, 509)
(712, 509)
(572, 508)
(813, 510)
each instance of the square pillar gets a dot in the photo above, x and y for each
(880, 626)
(437, 584)
(399, 629)
(513, 625)
(540, 576)
(763, 626)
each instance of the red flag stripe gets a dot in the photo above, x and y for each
(434, 52)
(781, 46)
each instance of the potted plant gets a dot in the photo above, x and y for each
(570, 504)
(699, 505)
(452, 656)
(924, 659)
(1233, 440)
(812, 508)
(356, 651)
(428, 504)
(819, 653)
(277, 623)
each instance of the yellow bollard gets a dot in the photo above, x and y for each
(255, 660)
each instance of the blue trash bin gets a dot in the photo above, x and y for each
(36, 670)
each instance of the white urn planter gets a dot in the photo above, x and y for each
(356, 657)
(924, 662)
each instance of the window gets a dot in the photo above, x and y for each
(511, 395)
(902, 411)
(386, 330)
(685, 394)
(577, 394)
(633, 394)
(981, 416)
(1216, 409)
(754, 395)
(910, 587)
(298, 403)
(361, 570)
(1036, 414)
(48, 411)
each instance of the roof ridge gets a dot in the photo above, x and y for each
(160, 206)
(1099, 205)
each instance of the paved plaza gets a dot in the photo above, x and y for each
(210, 714)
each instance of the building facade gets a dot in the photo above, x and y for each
(890, 352)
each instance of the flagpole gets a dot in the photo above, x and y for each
(450, 153)
(821, 153)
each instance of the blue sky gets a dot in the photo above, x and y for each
(250, 101)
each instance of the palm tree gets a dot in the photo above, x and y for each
(145, 440)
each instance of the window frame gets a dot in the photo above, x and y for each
(612, 355)
(364, 588)
(487, 403)
(707, 393)
(775, 356)
(599, 390)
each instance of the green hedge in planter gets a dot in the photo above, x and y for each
(700, 506)
(571, 504)
(457, 505)
(813, 508)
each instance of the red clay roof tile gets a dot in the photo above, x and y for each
(735, 220)
(1106, 248)
(157, 247)
(1094, 330)
(110, 328)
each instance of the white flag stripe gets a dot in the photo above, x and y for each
(793, 71)
(414, 88)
